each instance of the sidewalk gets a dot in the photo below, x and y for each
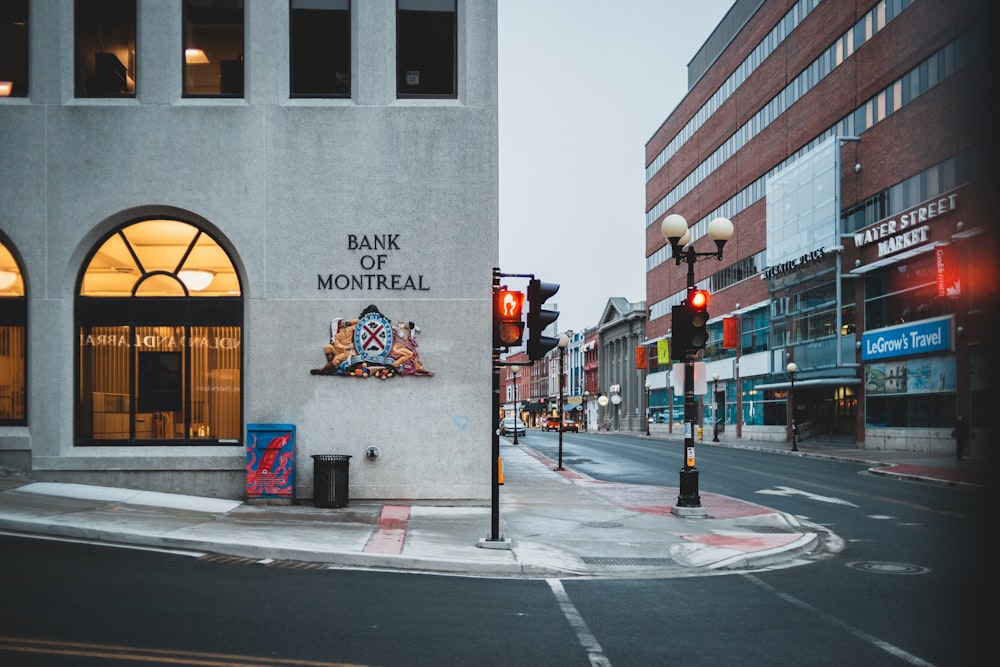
(552, 524)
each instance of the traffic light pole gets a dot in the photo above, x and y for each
(495, 466)
(689, 499)
(495, 541)
(675, 231)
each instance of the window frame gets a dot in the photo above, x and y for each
(183, 311)
(103, 15)
(403, 18)
(186, 42)
(15, 17)
(294, 53)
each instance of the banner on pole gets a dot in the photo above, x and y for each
(641, 360)
(946, 264)
(730, 333)
(663, 352)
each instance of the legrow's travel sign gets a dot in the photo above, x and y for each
(905, 340)
(908, 229)
(373, 262)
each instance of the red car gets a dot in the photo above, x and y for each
(552, 424)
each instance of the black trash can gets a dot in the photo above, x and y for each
(330, 484)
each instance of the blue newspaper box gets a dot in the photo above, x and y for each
(271, 461)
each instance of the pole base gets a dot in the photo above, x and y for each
(689, 512)
(688, 496)
(487, 543)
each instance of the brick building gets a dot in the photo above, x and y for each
(846, 144)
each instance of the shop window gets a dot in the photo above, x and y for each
(320, 43)
(13, 328)
(426, 48)
(105, 48)
(159, 321)
(213, 48)
(14, 48)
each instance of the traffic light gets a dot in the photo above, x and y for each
(510, 328)
(697, 304)
(680, 333)
(539, 318)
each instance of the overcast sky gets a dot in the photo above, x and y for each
(583, 86)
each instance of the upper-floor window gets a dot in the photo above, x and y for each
(426, 48)
(213, 48)
(105, 48)
(320, 48)
(14, 48)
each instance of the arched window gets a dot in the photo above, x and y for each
(13, 328)
(160, 319)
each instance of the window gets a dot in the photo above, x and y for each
(213, 48)
(159, 321)
(320, 48)
(426, 48)
(13, 327)
(105, 48)
(14, 48)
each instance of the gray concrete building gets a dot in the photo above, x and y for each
(328, 168)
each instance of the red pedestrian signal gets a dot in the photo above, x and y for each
(507, 313)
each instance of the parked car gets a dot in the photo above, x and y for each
(512, 426)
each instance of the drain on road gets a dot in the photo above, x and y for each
(887, 568)
(601, 524)
(645, 562)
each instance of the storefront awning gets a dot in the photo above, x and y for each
(810, 384)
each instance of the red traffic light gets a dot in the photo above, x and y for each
(699, 299)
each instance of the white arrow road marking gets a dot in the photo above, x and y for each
(789, 491)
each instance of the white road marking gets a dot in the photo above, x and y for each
(594, 651)
(857, 632)
(789, 491)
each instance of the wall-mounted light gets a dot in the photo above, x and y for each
(195, 57)
(195, 279)
(7, 278)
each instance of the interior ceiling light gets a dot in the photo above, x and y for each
(6, 87)
(195, 279)
(7, 278)
(195, 57)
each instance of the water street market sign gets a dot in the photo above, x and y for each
(907, 229)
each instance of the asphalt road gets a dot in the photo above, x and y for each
(900, 590)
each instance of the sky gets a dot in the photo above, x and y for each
(583, 85)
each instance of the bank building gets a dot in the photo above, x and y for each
(226, 222)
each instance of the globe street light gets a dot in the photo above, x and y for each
(517, 407)
(563, 342)
(715, 407)
(792, 369)
(675, 230)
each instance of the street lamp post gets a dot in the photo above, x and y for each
(517, 407)
(675, 230)
(715, 407)
(647, 407)
(792, 369)
(563, 342)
